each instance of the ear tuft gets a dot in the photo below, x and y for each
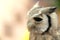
(52, 9)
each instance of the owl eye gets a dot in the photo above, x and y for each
(37, 19)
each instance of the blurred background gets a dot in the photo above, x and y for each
(13, 16)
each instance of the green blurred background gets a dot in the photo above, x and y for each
(57, 3)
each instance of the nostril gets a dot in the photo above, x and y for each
(37, 19)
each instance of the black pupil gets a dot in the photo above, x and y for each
(37, 19)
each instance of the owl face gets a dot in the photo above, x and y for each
(38, 21)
